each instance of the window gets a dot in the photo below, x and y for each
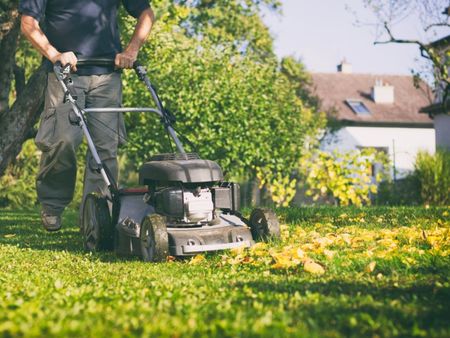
(358, 107)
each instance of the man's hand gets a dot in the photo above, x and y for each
(67, 58)
(140, 34)
(125, 59)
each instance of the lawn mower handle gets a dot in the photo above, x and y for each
(63, 74)
(102, 62)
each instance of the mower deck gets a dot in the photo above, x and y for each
(227, 232)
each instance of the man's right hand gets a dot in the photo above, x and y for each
(67, 58)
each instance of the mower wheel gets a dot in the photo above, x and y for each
(264, 224)
(96, 224)
(154, 239)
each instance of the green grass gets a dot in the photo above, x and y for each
(50, 287)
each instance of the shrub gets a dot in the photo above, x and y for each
(18, 187)
(345, 177)
(18, 184)
(404, 191)
(433, 173)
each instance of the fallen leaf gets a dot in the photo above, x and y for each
(298, 253)
(371, 267)
(346, 238)
(314, 268)
(197, 260)
(323, 241)
(329, 253)
(283, 260)
(259, 249)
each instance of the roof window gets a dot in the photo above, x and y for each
(358, 107)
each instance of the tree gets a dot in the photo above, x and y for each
(433, 16)
(235, 23)
(16, 119)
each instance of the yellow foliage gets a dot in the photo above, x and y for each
(282, 189)
(371, 267)
(345, 177)
(197, 260)
(314, 268)
(307, 250)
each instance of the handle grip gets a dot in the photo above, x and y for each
(136, 65)
(105, 62)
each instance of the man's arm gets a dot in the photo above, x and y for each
(30, 28)
(141, 32)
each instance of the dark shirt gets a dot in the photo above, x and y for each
(89, 28)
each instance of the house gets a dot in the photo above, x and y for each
(439, 111)
(377, 111)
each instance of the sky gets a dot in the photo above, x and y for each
(324, 32)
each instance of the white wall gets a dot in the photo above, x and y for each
(403, 142)
(442, 127)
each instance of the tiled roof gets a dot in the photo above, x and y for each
(334, 89)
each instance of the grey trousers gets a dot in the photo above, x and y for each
(58, 139)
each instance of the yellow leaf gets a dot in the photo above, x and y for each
(284, 260)
(371, 266)
(298, 253)
(278, 266)
(314, 268)
(237, 251)
(329, 253)
(259, 249)
(346, 238)
(197, 260)
(323, 241)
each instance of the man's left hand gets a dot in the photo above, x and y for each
(125, 59)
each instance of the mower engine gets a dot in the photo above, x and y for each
(184, 205)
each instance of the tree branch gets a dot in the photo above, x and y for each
(441, 24)
(439, 66)
(392, 39)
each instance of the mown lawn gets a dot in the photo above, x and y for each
(336, 272)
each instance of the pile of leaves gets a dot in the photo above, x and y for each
(310, 251)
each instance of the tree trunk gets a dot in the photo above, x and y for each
(9, 32)
(17, 120)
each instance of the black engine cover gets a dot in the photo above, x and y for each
(184, 171)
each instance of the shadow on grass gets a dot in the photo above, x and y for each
(24, 230)
(382, 309)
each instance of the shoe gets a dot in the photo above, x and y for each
(51, 222)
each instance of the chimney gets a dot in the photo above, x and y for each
(344, 67)
(383, 92)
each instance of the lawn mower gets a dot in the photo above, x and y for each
(184, 206)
